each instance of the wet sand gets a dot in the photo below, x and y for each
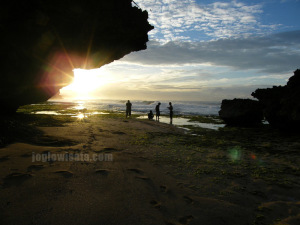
(150, 173)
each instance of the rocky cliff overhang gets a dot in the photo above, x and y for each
(42, 41)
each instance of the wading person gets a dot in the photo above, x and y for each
(157, 112)
(171, 112)
(128, 108)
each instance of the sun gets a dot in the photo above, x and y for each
(85, 82)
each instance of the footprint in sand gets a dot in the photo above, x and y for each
(107, 150)
(156, 204)
(110, 150)
(15, 179)
(143, 178)
(140, 174)
(34, 167)
(26, 155)
(64, 173)
(163, 188)
(188, 200)
(167, 191)
(118, 132)
(258, 193)
(136, 171)
(75, 151)
(171, 223)
(185, 220)
(4, 158)
(102, 172)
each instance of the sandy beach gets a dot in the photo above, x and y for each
(129, 171)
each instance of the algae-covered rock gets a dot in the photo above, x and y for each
(243, 112)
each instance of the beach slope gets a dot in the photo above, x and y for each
(129, 171)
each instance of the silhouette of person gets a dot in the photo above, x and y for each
(128, 108)
(150, 115)
(157, 112)
(171, 112)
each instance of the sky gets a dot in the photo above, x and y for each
(203, 50)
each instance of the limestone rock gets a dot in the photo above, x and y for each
(281, 105)
(241, 112)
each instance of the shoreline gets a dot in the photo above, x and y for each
(158, 175)
(139, 107)
(73, 109)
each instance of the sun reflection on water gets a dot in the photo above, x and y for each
(80, 116)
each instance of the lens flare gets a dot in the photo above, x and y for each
(253, 156)
(235, 153)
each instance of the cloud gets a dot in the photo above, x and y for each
(276, 53)
(175, 20)
(285, 1)
(204, 81)
(168, 92)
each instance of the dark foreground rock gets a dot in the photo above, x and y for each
(281, 105)
(43, 41)
(244, 112)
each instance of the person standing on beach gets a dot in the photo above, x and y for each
(128, 108)
(171, 112)
(157, 114)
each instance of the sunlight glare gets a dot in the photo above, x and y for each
(85, 82)
(80, 116)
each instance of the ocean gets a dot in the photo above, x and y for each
(181, 108)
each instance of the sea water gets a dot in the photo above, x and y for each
(180, 109)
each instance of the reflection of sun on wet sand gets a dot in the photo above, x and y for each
(150, 173)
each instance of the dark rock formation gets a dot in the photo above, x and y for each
(42, 41)
(281, 105)
(241, 112)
